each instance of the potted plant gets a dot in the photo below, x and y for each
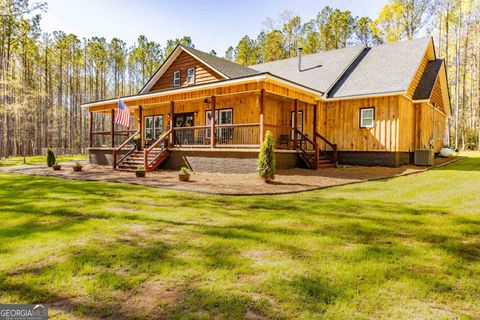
(183, 174)
(137, 141)
(77, 167)
(56, 166)
(140, 172)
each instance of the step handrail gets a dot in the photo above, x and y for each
(116, 150)
(146, 163)
(334, 155)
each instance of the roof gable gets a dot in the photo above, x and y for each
(222, 68)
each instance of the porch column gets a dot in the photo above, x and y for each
(91, 129)
(113, 128)
(212, 124)
(262, 125)
(316, 146)
(172, 110)
(295, 124)
(140, 123)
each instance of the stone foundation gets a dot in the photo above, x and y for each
(103, 156)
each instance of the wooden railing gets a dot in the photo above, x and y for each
(282, 135)
(226, 135)
(162, 144)
(307, 150)
(327, 148)
(123, 145)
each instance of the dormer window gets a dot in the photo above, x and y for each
(191, 76)
(176, 78)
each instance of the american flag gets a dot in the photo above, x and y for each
(123, 114)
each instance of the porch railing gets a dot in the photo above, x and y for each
(226, 135)
(326, 148)
(117, 150)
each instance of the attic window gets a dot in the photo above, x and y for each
(176, 78)
(191, 76)
(367, 117)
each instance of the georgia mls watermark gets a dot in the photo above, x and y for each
(23, 312)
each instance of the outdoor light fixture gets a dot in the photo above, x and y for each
(206, 100)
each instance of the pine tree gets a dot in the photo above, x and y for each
(266, 159)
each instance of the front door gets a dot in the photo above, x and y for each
(184, 136)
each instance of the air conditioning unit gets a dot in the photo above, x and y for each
(423, 157)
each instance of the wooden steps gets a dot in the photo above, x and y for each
(136, 159)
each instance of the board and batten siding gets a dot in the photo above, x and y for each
(339, 122)
(203, 74)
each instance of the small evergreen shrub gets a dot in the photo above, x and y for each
(266, 159)
(50, 158)
(183, 170)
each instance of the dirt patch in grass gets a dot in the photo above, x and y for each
(286, 181)
(154, 298)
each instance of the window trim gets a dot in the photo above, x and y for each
(217, 112)
(153, 116)
(175, 78)
(192, 77)
(360, 118)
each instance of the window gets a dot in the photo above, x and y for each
(299, 124)
(176, 78)
(226, 117)
(153, 127)
(367, 117)
(148, 128)
(191, 76)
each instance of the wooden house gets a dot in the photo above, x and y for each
(356, 105)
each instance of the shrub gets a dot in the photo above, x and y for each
(140, 168)
(50, 158)
(183, 170)
(266, 159)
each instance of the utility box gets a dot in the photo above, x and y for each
(424, 157)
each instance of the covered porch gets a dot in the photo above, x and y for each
(213, 118)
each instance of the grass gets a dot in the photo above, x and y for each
(18, 161)
(402, 248)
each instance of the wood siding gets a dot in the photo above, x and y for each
(203, 74)
(437, 96)
(427, 123)
(339, 122)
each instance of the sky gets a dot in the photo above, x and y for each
(211, 24)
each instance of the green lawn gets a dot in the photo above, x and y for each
(18, 161)
(404, 248)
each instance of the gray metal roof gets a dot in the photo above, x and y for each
(382, 69)
(319, 71)
(230, 69)
(425, 86)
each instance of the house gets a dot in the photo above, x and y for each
(356, 105)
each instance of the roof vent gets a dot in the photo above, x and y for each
(299, 50)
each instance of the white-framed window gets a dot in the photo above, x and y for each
(191, 76)
(299, 124)
(176, 78)
(367, 117)
(153, 127)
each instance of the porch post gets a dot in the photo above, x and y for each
(91, 129)
(113, 128)
(140, 123)
(262, 125)
(172, 110)
(317, 148)
(212, 124)
(295, 124)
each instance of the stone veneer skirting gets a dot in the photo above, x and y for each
(208, 160)
(224, 161)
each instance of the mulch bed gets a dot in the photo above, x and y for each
(286, 181)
